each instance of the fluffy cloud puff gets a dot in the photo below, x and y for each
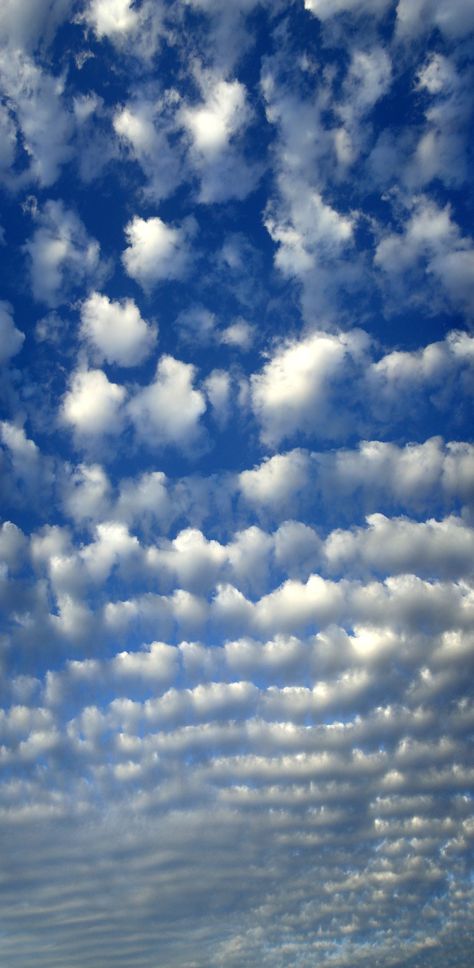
(293, 390)
(324, 9)
(62, 255)
(454, 18)
(430, 242)
(110, 18)
(213, 127)
(93, 404)
(312, 230)
(11, 339)
(25, 23)
(168, 410)
(145, 128)
(156, 252)
(44, 124)
(116, 331)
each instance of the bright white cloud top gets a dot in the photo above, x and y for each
(237, 484)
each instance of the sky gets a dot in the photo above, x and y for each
(236, 483)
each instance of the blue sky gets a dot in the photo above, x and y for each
(237, 483)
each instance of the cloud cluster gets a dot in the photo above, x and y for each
(328, 385)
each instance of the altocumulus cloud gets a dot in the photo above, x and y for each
(237, 484)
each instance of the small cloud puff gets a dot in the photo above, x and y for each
(11, 338)
(306, 229)
(138, 27)
(213, 123)
(112, 18)
(239, 334)
(430, 243)
(156, 252)
(214, 127)
(144, 128)
(168, 410)
(93, 405)
(292, 392)
(36, 100)
(325, 9)
(62, 256)
(116, 331)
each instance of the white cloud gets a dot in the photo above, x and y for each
(325, 9)
(376, 474)
(145, 128)
(112, 18)
(442, 149)
(26, 474)
(190, 558)
(240, 333)
(455, 270)
(156, 252)
(197, 325)
(113, 544)
(86, 492)
(311, 231)
(368, 78)
(93, 404)
(214, 127)
(11, 338)
(293, 391)
(26, 23)
(144, 499)
(393, 545)
(222, 114)
(261, 663)
(168, 410)
(62, 255)
(314, 238)
(454, 18)
(116, 331)
(8, 141)
(430, 241)
(218, 389)
(136, 28)
(438, 75)
(13, 545)
(277, 482)
(297, 548)
(445, 368)
(46, 127)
